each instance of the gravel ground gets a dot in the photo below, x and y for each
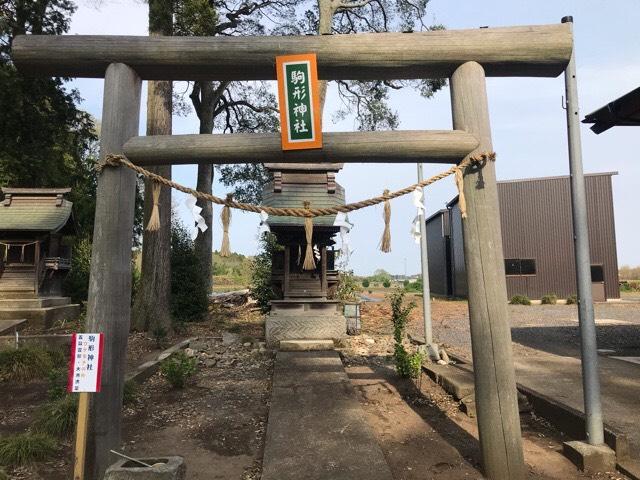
(552, 328)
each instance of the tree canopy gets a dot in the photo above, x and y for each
(45, 140)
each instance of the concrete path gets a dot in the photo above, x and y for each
(560, 378)
(317, 429)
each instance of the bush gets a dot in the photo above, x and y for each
(178, 368)
(413, 286)
(572, 299)
(76, 284)
(386, 283)
(57, 417)
(189, 295)
(348, 289)
(549, 299)
(407, 365)
(26, 448)
(24, 364)
(365, 283)
(130, 392)
(520, 300)
(261, 288)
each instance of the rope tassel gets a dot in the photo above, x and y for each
(385, 241)
(225, 216)
(309, 260)
(462, 202)
(154, 219)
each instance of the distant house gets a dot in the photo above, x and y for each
(33, 257)
(537, 239)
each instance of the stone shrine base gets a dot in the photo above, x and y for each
(303, 320)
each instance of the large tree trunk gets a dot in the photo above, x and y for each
(326, 8)
(151, 310)
(204, 240)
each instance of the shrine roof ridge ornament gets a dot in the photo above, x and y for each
(535, 51)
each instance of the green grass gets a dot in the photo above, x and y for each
(520, 300)
(549, 299)
(3, 475)
(26, 448)
(130, 392)
(57, 417)
(178, 368)
(25, 364)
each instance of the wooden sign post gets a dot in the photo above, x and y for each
(85, 372)
(299, 100)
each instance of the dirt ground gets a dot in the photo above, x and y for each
(217, 422)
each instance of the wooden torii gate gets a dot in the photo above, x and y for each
(466, 57)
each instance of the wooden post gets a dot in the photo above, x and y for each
(286, 273)
(495, 386)
(109, 305)
(81, 436)
(323, 270)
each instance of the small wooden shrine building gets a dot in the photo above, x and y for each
(33, 258)
(304, 307)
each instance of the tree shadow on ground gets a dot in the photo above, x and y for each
(416, 396)
(565, 340)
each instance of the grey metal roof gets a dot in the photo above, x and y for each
(624, 111)
(34, 210)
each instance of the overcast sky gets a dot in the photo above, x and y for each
(528, 123)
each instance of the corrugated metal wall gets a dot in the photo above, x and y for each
(437, 243)
(459, 273)
(536, 224)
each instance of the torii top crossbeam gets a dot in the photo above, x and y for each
(535, 51)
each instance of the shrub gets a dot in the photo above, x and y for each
(24, 364)
(407, 364)
(76, 284)
(520, 300)
(130, 392)
(348, 288)
(26, 448)
(572, 299)
(365, 283)
(178, 368)
(386, 283)
(189, 295)
(549, 299)
(261, 288)
(413, 286)
(57, 417)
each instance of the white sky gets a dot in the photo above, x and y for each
(529, 130)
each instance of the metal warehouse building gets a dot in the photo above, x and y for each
(537, 239)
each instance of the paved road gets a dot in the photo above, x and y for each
(546, 345)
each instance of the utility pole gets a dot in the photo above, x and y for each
(588, 345)
(426, 293)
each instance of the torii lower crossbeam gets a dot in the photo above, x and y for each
(345, 147)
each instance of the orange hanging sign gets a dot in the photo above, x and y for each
(300, 116)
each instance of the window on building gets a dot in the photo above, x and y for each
(520, 266)
(597, 274)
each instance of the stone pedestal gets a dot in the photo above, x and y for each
(590, 458)
(304, 320)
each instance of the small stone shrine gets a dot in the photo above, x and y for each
(304, 308)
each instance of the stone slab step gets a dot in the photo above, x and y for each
(317, 429)
(42, 317)
(305, 345)
(10, 326)
(40, 302)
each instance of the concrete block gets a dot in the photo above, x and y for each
(455, 381)
(590, 458)
(468, 406)
(167, 468)
(305, 345)
(304, 327)
(631, 468)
